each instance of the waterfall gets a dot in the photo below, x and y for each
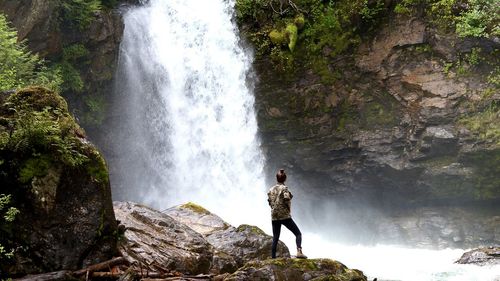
(183, 128)
(187, 129)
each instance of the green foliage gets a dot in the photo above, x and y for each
(469, 18)
(80, 13)
(96, 109)
(75, 52)
(465, 63)
(41, 125)
(325, 32)
(18, 67)
(494, 77)
(34, 167)
(309, 32)
(485, 124)
(9, 215)
(249, 10)
(370, 12)
(72, 81)
(42, 132)
(482, 19)
(474, 57)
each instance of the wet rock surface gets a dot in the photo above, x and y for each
(157, 242)
(190, 240)
(481, 256)
(234, 246)
(296, 270)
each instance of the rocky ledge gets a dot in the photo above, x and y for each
(481, 256)
(188, 240)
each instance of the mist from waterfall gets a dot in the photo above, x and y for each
(187, 124)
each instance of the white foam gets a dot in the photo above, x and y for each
(389, 262)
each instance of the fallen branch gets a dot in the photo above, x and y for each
(57, 275)
(100, 266)
(185, 278)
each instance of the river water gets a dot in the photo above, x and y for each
(188, 132)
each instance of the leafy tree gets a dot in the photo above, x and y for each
(80, 13)
(19, 67)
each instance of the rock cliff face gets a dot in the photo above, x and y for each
(394, 131)
(58, 182)
(40, 22)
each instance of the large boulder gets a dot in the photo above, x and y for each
(234, 246)
(190, 240)
(296, 270)
(156, 242)
(59, 183)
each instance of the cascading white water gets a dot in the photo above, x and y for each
(185, 130)
(192, 132)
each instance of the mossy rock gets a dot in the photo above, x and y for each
(278, 38)
(195, 208)
(252, 228)
(295, 269)
(57, 180)
(36, 98)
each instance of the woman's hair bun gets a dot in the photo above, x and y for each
(281, 176)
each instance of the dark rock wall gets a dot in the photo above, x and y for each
(386, 136)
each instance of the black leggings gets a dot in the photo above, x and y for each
(290, 224)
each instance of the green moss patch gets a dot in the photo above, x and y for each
(251, 228)
(39, 132)
(195, 208)
(305, 33)
(485, 124)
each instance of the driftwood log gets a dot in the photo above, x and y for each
(101, 266)
(109, 270)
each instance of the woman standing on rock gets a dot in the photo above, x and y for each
(280, 200)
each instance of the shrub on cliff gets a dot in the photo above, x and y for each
(306, 29)
(469, 18)
(19, 67)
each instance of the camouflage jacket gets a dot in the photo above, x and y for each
(279, 198)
